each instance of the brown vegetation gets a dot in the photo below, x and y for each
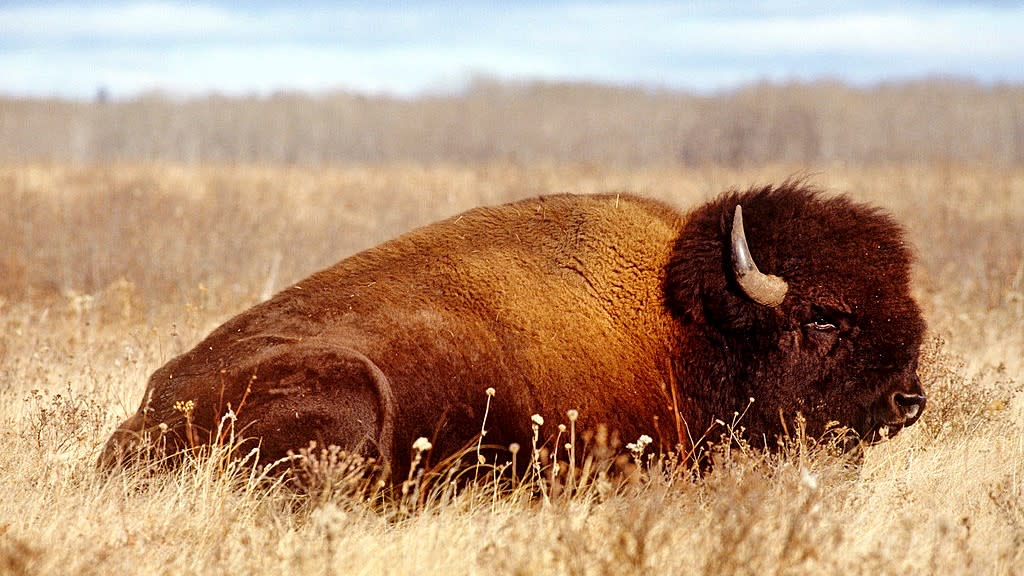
(935, 120)
(109, 271)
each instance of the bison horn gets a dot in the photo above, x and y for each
(762, 288)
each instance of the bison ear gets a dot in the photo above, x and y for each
(708, 295)
(712, 278)
(726, 309)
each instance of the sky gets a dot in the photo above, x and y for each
(405, 48)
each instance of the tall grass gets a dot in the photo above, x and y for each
(110, 271)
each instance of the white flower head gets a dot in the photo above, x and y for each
(638, 447)
(422, 444)
(537, 419)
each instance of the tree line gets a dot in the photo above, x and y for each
(811, 123)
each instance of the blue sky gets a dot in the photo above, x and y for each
(408, 48)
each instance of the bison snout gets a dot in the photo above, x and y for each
(909, 406)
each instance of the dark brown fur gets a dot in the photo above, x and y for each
(594, 303)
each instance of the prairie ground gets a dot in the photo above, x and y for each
(108, 271)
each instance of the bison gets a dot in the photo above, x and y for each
(639, 317)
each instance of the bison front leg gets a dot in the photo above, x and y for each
(279, 400)
(334, 396)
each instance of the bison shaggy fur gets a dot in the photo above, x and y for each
(622, 308)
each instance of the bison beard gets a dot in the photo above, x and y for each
(641, 318)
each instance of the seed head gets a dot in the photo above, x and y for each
(573, 415)
(490, 392)
(422, 444)
(537, 419)
(186, 408)
(638, 447)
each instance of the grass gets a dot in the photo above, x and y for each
(110, 271)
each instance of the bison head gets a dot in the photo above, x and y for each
(802, 303)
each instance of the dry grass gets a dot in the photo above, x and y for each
(108, 272)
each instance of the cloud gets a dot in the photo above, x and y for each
(134, 22)
(404, 48)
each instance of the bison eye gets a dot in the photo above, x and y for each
(822, 324)
(823, 320)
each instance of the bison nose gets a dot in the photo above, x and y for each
(909, 405)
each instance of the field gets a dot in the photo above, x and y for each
(109, 270)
